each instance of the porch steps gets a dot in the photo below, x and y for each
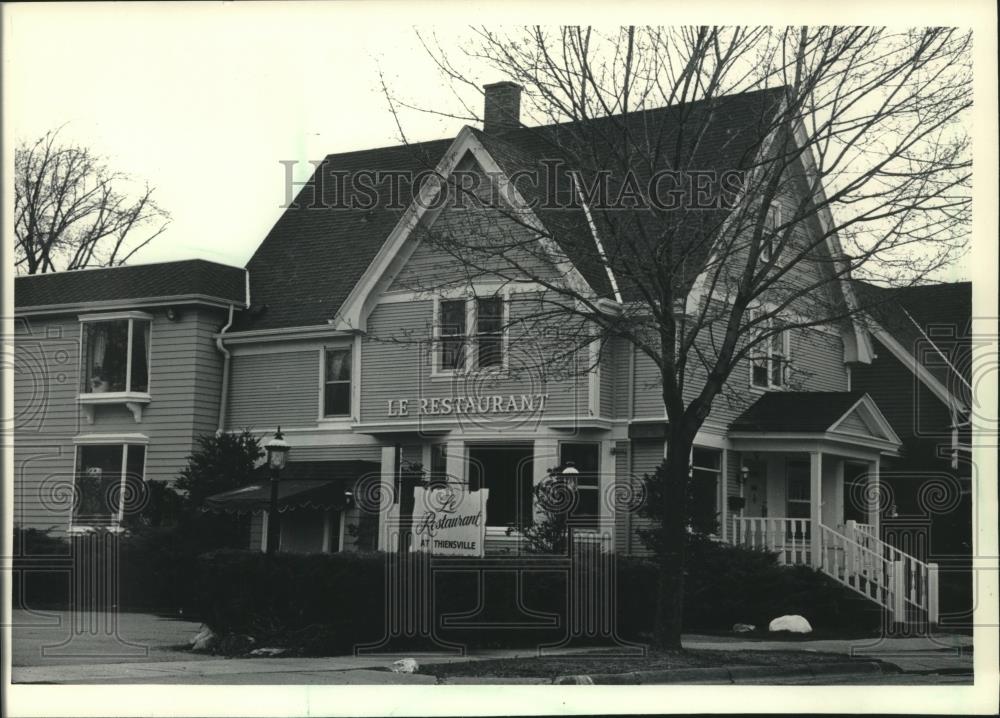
(891, 580)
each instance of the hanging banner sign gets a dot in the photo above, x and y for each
(449, 521)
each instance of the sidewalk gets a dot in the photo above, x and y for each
(947, 653)
(944, 652)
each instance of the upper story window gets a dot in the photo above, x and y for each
(116, 355)
(451, 334)
(769, 360)
(470, 334)
(102, 488)
(337, 383)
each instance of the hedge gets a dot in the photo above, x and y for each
(156, 568)
(332, 603)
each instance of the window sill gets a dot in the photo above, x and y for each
(134, 400)
(491, 372)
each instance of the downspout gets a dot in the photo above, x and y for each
(631, 453)
(226, 360)
(227, 356)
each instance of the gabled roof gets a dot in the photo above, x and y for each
(188, 278)
(796, 411)
(317, 251)
(932, 323)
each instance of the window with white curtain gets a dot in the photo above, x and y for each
(116, 355)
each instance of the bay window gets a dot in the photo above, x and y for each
(115, 355)
(108, 477)
(337, 383)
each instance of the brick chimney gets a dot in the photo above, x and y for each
(502, 107)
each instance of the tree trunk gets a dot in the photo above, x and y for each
(670, 600)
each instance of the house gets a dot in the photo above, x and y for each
(921, 377)
(116, 373)
(385, 362)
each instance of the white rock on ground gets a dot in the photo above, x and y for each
(204, 640)
(792, 624)
(269, 652)
(405, 665)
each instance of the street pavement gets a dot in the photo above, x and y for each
(141, 648)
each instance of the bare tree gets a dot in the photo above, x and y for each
(72, 211)
(714, 233)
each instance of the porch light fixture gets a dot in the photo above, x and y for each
(744, 474)
(277, 456)
(570, 472)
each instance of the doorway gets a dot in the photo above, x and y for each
(507, 471)
(855, 492)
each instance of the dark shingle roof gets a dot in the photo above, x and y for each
(797, 411)
(314, 255)
(319, 248)
(140, 281)
(941, 313)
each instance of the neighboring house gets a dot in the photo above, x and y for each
(374, 380)
(920, 375)
(116, 373)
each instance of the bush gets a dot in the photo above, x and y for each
(332, 603)
(727, 584)
(156, 565)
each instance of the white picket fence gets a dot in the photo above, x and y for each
(906, 586)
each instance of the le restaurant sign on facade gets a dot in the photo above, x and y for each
(447, 405)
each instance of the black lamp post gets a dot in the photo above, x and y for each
(277, 455)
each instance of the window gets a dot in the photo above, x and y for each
(586, 458)
(769, 360)
(489, 331)
(704, 498)
(101, 496)
(115, 355)
(461, 320)
(337, 380)
(770, 233)
(451, 332)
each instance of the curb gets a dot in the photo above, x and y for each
(726, 674)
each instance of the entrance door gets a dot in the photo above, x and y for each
(310, 531)
(506, 470)
(855, 495)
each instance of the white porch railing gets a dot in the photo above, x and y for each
(856, 558)
(788, 537)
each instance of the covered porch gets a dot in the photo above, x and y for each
(809, 491)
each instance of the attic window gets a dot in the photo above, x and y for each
(769, 235)
(769, 361)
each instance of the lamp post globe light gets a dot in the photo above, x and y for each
(277, 456)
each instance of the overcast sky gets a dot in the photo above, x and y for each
(204, 103)
(206, 100)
